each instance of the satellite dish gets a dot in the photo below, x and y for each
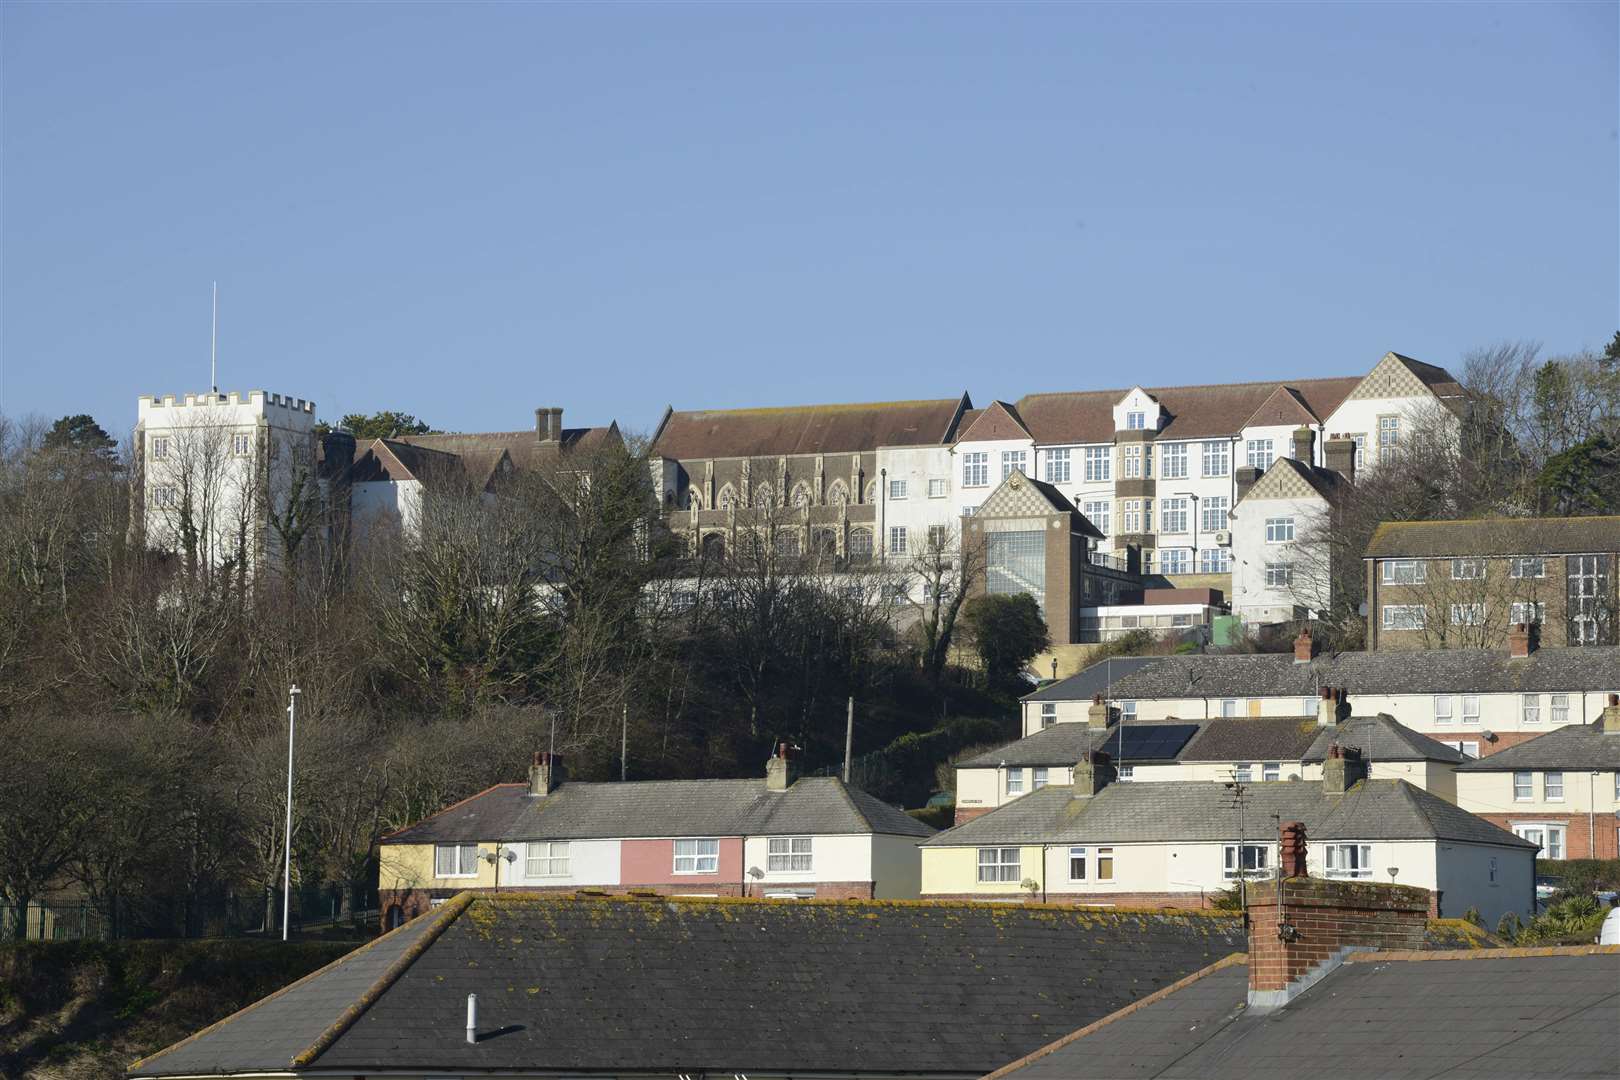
(755, 872)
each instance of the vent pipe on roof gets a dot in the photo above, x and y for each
(472, 1018)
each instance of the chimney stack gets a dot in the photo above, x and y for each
(1339, 454)
(1304, 445)
(1092, 773)
(1301, 928)
(1343, 769)
(779, 769)
(1611, 716)
(1331, 708)
(1245, 476)
(542, 425)
(556, 425)
(546, 774)
(1521, 641)
(1098, 715)
(1302, 647)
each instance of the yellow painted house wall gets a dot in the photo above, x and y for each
(950, 871)
(410, 866)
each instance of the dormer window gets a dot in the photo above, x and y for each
(1136, 421)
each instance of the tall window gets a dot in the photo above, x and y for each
(1522, 789)
(1216, 560)
(543, 858)
(1130, 516)
(1015, 781)
(1048, 713)
(897, 539)
(1229, 707)
(1470, 708)
(1132, 465)
(1530, 708)
(1217, 459)
(1077, 864)
(788, 854)
(860, 543)
(1404, 571)
(1136, 421)
(1587, 584)
(1057, 466)
(1389, 437)
(1260, 454)
(241, 444)
(1015, 562)
(1549, 838)
(1443, 709)
(1360, 439)
(1173, 516)
(1010, 460)
(1099, 463)
(1560, 708)
(1467, 569)
(976, 469)
(697, 856)
(938, 489)
(1105, 864)
(160, 447)
(1279, 530)
(998, 864)
(455, 860)
(1214, 508)
(937, 537)
(897, 489)
(1098, 512)
(1552, 786)
(1349, 860)
(1037, 777)
(1173, 461)
(1246, 860)
(1175, 561)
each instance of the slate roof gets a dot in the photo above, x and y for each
(1087, 684)
(1173, 811)
(1400, 671)
(1495, 536)
(817, 805)
(1381, 738)
(523, 448)
(1578, 746)
(807, 429)
(1063, 744)
(591, 986)
(1487, 1015)
(1253, 738)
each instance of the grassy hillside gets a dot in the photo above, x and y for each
(85, 1009)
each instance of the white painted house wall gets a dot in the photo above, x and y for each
(1252, 599)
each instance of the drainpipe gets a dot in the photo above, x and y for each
(883, 513)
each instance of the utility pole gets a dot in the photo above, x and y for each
(1239, 799)
(624, 743)
(849, 737)
(286, 861)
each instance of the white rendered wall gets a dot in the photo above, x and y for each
(1252, 599)
(590, 862)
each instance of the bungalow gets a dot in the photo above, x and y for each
(778, 837)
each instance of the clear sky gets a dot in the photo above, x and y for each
(467, 211)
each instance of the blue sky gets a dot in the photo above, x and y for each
(468, 211)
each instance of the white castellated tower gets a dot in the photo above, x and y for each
(214, 471)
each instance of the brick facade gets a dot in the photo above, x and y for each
(1324, 917)
(401, 905)
(965, 814)
(1181, 901)
(1586, 836)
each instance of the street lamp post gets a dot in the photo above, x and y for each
(286, 861)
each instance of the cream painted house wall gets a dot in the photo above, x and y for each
(1585, 791)
(1498, 712)
(833, 858)
(411, 866)
(953, 871)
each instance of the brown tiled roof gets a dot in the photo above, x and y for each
(807, 429)
(999, 421)
(1495, 536)
(1195, 411)
(391, 459)
(1284, 406)
(482, 449)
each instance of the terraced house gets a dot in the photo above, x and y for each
(777, 837)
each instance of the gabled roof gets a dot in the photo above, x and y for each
(1096, 679)
(1183, 812)
(393, 460)
(808, 429)
(1285, 406)
(1289, 478)
(1381, 738)
(1194, 412)
(482, 449)
(1386, 1014)
(1397, 671)
(1064, 744)
(1253, 738)
(577, 810)
(1495, 536)
(992, 424)
(1579, 746)
(1401, 376)
(1022, 496)
(615, 987)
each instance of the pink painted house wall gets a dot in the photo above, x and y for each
(652, 862)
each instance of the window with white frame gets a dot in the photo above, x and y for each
(697, 856)
(1126, 773)
(1037, 779)
(1099, 463)
(1466, 747)
(1279, 575)
(1214, 509)
(455, 860)
(1127, 710)
(1136, 421)
(788, 854)
(1217, 459)
(1552, 786)
(938, 489)
(1560, 708)
(1246, 860)
(1130, 516)
(1132, 463)
(1048, 713)
(1242, 772)
(1173, 515)
(545, 858)
(1175, 560)
(165, 497)
(1260, 454)
(938, 536)
(241, 444)
(1057, 466)
(160, 447)
(1105, 864)
(1530, 708)
(1216, 560)
(1098, 512)
(1527, 612)
(1077, 864)
(1527, 566)
(1470, 708)
(1229, 707)
(1279, 530)
(976, 469)
(860, 542)
(1467, 614)
(1015, 781)
(999, 864)
(1271, 770)
(1523, 790)
(897, 539)
(1467, 569)
(1549, 838)
(1010, 460)
(897, 489)
(1404, 571)
(1403, 617)
(1389, 437)
(1348, 860)
(1360, 439)
(1443, 709)
(969, 511)
(1173, 461)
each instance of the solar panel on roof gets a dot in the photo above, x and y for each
(1155, 742)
